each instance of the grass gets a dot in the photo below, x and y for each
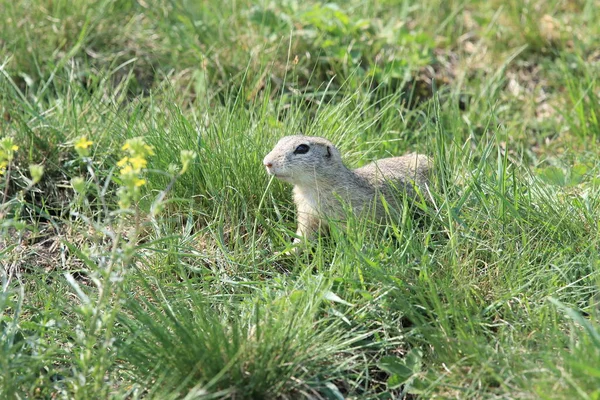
(491, 291)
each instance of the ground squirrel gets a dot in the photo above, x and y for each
(323, 184)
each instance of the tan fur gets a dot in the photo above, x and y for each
(323, 184)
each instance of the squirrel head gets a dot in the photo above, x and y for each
(302, 159)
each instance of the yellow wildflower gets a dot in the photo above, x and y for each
(126, 170)
(132, 165)
(36, 171)
(137, 147)
(140, 182)
(7, 149)
(138, 162)
(187, 156)
(122, 162)
(149, 149)
(78, 184)
(83, 143)
(82, 146)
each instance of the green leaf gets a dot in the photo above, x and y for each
(394, 381)
(396, 366)
(413, 360)
(297, 295)
(335, 298)
(333, 392)
(586, 369)
(580, 320)
(553, 176)
(578, 173)
(402, 369)
(417, 386)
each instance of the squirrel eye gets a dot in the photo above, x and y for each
(302, 149)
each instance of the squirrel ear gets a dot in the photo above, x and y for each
(328, 151)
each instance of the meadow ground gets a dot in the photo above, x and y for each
(133, 270)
